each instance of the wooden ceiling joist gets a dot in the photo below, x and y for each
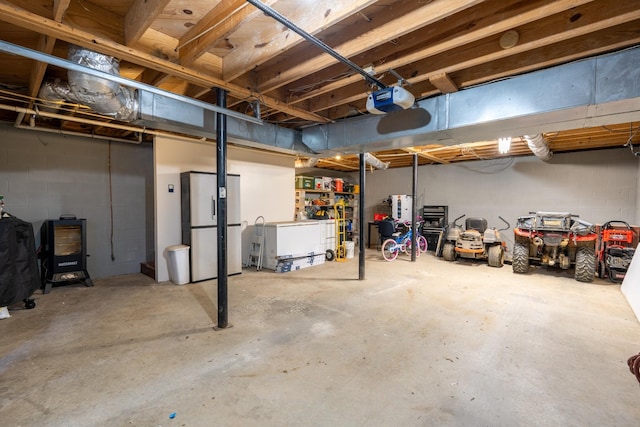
(140, 17)
(23, 18)
(431, 12)
(59, 9)
(215, 25)
(425, 154)
(443, 83)
(476, 55)
(272, 42)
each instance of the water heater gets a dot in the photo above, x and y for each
(401, 206)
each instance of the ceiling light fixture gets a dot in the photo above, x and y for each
(509, 39)
(504, 144)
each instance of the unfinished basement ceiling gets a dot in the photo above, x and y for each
(438, 46)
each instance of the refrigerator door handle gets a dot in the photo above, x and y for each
(213, 207)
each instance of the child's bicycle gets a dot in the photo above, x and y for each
(402, 243)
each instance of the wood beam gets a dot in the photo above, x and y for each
(339, 164)
(603, 41)
(153, 77)
(140, 17)
(196, 92)
(481, 50)
(59, 9)
(485, 50)
(99, 21)
(164, 46)
(480, 31)
(25, 19)
(215, 25)
(45, 45)
(275, 40)
(426, 155)
(430, 13)
(443, 83)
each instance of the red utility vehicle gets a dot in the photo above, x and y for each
(555, 239)
(615, 250)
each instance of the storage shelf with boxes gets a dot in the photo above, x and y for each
(318, 202)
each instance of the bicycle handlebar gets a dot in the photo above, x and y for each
(506, 222)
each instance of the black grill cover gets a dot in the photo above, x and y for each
(19, 277)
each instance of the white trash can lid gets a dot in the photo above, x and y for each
(173, 248)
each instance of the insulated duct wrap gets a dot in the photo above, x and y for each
(309, 163)
(101, 95)
(54, 92)
(370, 159)
(538, 146)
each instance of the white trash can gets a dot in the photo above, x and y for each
(350, 248)
(178, 263)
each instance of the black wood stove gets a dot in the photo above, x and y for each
(63, 253)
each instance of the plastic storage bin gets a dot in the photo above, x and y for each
(304, 182)
(350, 248)
(178, 263)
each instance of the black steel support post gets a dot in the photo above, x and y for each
(221, 169)
(361, 248)
(414, 208)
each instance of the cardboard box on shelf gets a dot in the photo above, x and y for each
(304, 182)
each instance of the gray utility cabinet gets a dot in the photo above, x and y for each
(199, 192)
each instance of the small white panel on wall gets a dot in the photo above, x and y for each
(631, 284)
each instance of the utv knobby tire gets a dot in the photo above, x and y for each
(449, 252)
(585, 264)
(496, 256)
(520, 261)
(601, 270)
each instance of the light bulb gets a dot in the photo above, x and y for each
(504, 144)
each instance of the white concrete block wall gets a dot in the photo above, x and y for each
(598, 185)
(43, 176)
(266, 188)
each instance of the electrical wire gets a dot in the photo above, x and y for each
(617, 130)
(312, 86)
(499, 164)
(113, 257)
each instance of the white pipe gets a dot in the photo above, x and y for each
(23, 110)
(538, 146)
(79, 134)
(68, 118)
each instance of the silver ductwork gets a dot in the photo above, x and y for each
(593, 92)
(101, 95)
(308, 163)
(372, 160)
(538, 146)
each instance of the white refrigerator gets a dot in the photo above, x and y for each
(199, 224)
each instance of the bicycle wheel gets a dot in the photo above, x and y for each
(390, 250)
(408, 249)
(422, 243)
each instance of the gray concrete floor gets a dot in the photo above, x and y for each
(428, 343)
